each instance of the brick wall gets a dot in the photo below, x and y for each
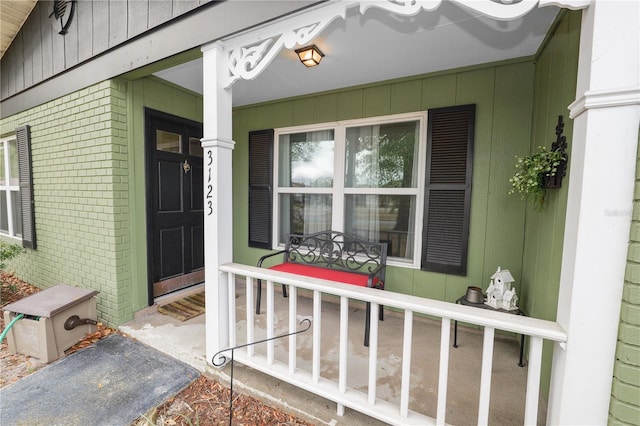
(625, 392)
(81, 190)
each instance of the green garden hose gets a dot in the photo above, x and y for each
(7, 328)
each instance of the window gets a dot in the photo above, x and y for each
(10, 206)
(16, 202)
(402, 179)
(360, 177)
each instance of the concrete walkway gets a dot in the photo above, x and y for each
(186, 342)
(106, 384)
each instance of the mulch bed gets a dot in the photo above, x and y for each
(203, 403)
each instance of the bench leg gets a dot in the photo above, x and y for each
(367, 321)
(258, 297)
(367, 324)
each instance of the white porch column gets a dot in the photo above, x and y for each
(602, 176)
(218, 238)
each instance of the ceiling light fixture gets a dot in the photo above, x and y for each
(310, 56)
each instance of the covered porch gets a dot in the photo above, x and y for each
(595, 222)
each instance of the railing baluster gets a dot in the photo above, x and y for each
(485, 377)
(443, 374)
(293, 313)
(317, 329)
(373, 353)
(270, 323)
(344, 349)
(231, 282)
(405, 385)
(533, 381)
(250, 316)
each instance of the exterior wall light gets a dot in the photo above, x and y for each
(310, 56)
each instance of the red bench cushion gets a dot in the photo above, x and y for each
(324, 273)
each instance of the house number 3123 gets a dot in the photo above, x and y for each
(209, 184)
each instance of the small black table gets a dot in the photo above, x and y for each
(463, 301)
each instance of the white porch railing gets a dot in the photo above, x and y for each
(368, 403)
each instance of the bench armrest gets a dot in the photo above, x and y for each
(266, 256)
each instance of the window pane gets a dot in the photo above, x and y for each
(195, 147)
(17, 212)
(382, 156)
(306, 159)
(167, 141)
(13, 163)
(3, 178)
(385, 218)
(304, 214)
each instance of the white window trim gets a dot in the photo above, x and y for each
(338, 191)
(8, 188)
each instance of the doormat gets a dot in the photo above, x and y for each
(185, 308)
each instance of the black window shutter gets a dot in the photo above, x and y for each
(445, 233)
(260, 188)
(23, 139)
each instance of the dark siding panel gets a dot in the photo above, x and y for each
(100, 15)
(84, 15)
(40, 53)
(117, 22)
(23, 139)
(260, 188)
(448, 189)
(33, 26)
(71, 41)
(11, 74)
(138, 18)
(160, 11)
(28, 56)
(183, 6)
(47, 43)
(19, 62)
(57, 42)
(4, 78)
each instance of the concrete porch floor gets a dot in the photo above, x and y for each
(186, 341)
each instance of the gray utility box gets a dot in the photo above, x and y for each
(54, 320)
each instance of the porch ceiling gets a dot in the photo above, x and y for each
(378, 46)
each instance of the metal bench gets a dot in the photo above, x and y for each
(333, 256)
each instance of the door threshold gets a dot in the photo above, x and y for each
(178, 294)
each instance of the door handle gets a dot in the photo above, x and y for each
(186, 167)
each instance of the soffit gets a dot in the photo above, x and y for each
(13, 14)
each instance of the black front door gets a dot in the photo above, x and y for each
(174, 203)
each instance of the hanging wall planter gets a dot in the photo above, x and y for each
(542, 170)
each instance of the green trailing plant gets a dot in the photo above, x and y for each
(531, 172)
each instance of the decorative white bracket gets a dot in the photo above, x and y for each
(251, 52)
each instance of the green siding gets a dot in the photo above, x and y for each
(555, 85)
(80, 157)
(503, 94)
